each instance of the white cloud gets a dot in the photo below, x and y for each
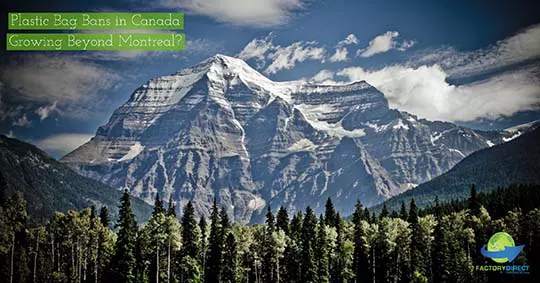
(519, 48)
(323, 77)
(44, 111)
(71, 84)
(61, 144)
(384, 43)
(424, 91)
(340, 55)
(258, 13)
(21, 122)
(349, 40)
(257, 49)
(282, 58)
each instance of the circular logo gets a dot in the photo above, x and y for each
(498, 242)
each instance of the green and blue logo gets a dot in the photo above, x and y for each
(501, 248)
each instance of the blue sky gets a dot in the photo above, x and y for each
(462, 61)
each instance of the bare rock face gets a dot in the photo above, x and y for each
(222, 130)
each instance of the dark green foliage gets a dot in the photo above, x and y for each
(330, 214)
(225, 222)
(403, 212)
(52, 186)
(123, 262)
(513, 162)
(419, 249)
(282, 220)
(230, 254)
(384, 212)
(215, 247)
(474, 203)
(158, 206)
(269, 256)
(361, 266)
(204, 243)
(308, 265)
(291, 259)
(438, 244)
(104, 216)
(171, 210)
(322, 251)
(190, 235)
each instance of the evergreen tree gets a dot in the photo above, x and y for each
(14, 234)
(291, 259)
(366, 215)
(190, 271)
(474, 204)
(282, 220)
(269, 257)
(124, 259)
(104, 216)
(308, 263)
(438, 251)
(330, 215)
(322, 251)
(213, 264)
(361, 255)
(230, 254)
(171, 210)
(190, 232)
(204, 244)
(403, 214)
(339, 260)
(384, 212)
(225, 223)
(158, 205)
(419, 250)
(296, 226)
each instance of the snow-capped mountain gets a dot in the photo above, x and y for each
(221, 129)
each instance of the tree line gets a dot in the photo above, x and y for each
(438, 244)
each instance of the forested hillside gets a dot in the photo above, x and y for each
(516, 161)
(48, 185)
(440, 244)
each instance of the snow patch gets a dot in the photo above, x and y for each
(457, 151)
(376, 127)
(313, 113)
(302, 145)
(401, 125)
(134, 150)
(505, 139)
(256, 203)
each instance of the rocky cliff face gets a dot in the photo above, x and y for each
(221, 129)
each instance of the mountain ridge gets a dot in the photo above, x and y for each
(221, 129)
(514, 162)
(50, 186)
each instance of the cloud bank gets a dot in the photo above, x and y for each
(258, 13)
(424, 91)
(384, 43)
(516, 49)
(62, 144)
(281, 58)
(421, 85)
(58, 84)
